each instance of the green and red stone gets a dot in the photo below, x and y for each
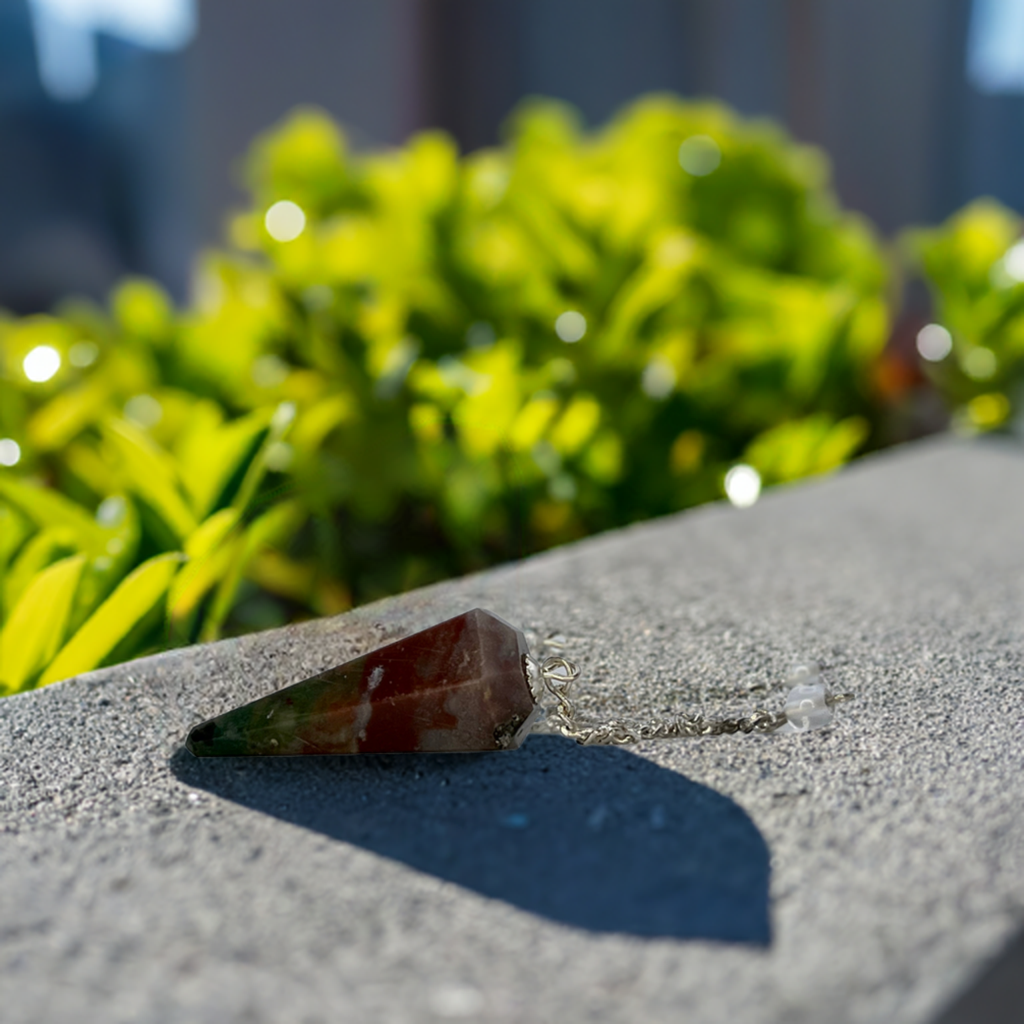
(459, 686)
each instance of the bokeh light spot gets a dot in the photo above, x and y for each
(988, 411)
(10, 451)
(41, 363)
(699, 155)
(269, 371)
(111, 511)
(659, 378)
(317, 297)
(562, 487)
(934, 342)
(144, 411)
(571, 326)
(280, 456)
(980, 363)
(83, 353)
(743, 485)
(283, 415)
(1013, 262)
(285, 221)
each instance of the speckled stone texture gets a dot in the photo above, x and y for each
(864, 873)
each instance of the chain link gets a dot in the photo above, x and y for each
(559, 675)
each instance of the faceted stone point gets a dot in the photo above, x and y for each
(459, 686)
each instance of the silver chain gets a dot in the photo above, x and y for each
(559, 675)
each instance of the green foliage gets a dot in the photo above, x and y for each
(974, 264)
(437, 364)
(158, 562)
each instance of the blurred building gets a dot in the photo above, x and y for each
(920, 103)
(94, 138)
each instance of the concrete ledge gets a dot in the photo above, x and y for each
(864, 873)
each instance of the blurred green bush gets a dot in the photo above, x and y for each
(410, 365)
(974, 264)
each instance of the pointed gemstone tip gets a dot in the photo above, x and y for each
(459, 686)
(200, 738)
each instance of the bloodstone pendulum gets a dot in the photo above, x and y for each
(467, 684)
(462, 685)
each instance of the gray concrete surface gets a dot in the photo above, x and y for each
(866, 873)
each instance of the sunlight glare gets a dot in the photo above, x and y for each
(41, 363)
(743, 485)
(10, 451)
(699, 155)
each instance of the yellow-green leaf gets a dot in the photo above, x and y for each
(209, 551)
(47, 508)
(151, 474)
(131, 602)
(36, 627)
(282, 575)
(14, 528)
(221, 454)
(280, 424)
(319, 420)
(105, 571)
(85, 462)
(211, 534)
(576, 425)
(270, 527)
(45, 547)
(66, 415)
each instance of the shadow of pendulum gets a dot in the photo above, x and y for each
(593, 837)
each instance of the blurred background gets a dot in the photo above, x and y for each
(122, 122)
(291, 367)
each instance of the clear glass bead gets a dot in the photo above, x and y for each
(807, 704)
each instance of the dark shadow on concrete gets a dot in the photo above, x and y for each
(597, 838)
(997, 995)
